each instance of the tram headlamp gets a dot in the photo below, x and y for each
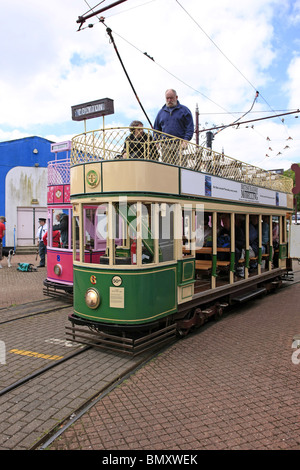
(92, 298)
(57, 269)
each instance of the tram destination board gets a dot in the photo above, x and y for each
(92, 109)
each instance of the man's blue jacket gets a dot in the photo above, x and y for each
(177, 121)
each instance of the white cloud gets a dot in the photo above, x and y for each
(215, 54)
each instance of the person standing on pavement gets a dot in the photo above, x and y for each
(42, 248)
(2, 233)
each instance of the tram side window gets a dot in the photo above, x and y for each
(265, 234)
(71, 230)
(76, 238)
(275, 240)
(166, 232)
(124, 233)
(61, 225)
(240, 238)
(187, 230)
(148, 245)
(203, 229)
(89, 228)
(55, 241)
(253, 236)
(223, 235)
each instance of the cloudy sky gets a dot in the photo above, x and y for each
(216, 54)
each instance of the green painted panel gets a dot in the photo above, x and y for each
(282, 251)
(148, 294)
(186, 271)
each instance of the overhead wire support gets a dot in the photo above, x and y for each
(82, 19)
(241, 117)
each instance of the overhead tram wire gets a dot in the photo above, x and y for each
(100, 19)
(215, 44)
(92, 8)
(252, 120)
(251, 84)
(109, 32)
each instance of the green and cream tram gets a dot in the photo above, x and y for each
(167, 236)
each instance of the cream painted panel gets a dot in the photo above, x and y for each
(140, 176)
(290, 201)
(76, 180)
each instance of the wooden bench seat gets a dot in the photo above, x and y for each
(203, 265)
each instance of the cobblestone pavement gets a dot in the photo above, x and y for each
(18, 287)
(232, 385)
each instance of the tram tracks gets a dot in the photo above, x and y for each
(41, 371)
(54, 433)
(47, 306)
(63, 406)
(75, 368)
(44, 386)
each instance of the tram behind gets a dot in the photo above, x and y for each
(58, 239)
(174, 233)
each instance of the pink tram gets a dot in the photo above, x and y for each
(58, 239)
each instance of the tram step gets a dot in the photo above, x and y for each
(249, 295)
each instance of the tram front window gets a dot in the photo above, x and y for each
(124, 233)
(166, 232)
(95, 233)
(148, 224)
(127, 233)
(127, 219)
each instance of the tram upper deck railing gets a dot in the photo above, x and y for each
(59, 172)
(120, 142)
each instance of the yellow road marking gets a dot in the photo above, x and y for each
(35, 354)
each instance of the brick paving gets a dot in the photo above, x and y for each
(18, 287)
(35, 408)
(230, 386)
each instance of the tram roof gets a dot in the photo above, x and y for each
(110, 144)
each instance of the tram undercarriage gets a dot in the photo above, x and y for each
(56, 290)
(190, 315)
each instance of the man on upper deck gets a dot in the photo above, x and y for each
(174, 118)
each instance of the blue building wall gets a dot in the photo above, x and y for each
(20, 153)
(26, 152)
